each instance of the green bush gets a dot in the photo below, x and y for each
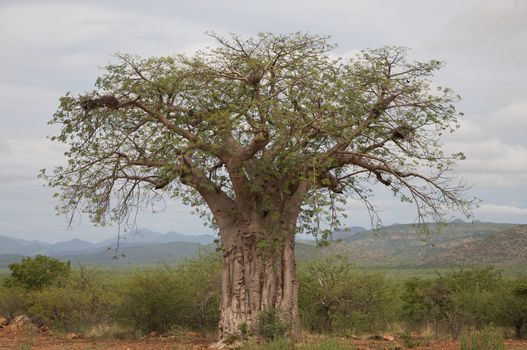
(82, 302)
(60, 308)
(513, 305)
(464, 299)
(336, 297)
(35, 273)
(13, 301)
(200, 282)
(477, 308)
(163, 297)
(152, 300)
(419, 305)
(276, 344)
(486, 339)
(270, 326)
(285, 344)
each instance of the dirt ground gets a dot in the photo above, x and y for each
(24, 337)
(84, 344)
(59, 343)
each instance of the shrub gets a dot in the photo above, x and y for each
(418, 305)
(486, 339)
(286, 344)
(200, 281)
(60, 308)
(513, 305)
(152, 300)
(270, 326)
(476, 308)
(163, 297)
(334, 296)
(35, 273)
(470, 298)
(467, 298)
(275, 344)
(13, 301)
(83, 301)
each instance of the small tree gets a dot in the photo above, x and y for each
(264, 135)
(34, 273)
(513, 305)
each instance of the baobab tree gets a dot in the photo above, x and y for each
(263, 134)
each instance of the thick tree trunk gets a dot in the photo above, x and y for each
(259, 273)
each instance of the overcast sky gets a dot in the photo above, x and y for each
(51, 47)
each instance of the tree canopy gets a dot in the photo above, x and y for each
(247, 121)
(35, 273)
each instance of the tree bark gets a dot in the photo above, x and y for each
(259, 274)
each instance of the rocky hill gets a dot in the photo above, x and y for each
(507, 247)
(401, 245)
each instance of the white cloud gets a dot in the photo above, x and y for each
(81, 27)
(27, 156)
(493, 156)
(26, 108)
(494, 27)
(4, 147)
(501, 213)
(511, 119)
(490, 160)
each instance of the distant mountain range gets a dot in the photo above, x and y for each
(145, 235)
(139, 246)
(458, 243)
(347, 232)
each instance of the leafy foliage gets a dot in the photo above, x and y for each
(461, 299)
(34, 273)
(153, 300)
(82, 302)
(335, 296)
(487, 339)
(287, 344)
(270, 124)
(159, 298)
(13, 301)
(513, 305)
(270, 326)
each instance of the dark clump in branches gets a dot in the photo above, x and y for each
(108, 101)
